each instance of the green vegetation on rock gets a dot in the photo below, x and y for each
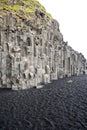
(26, 7)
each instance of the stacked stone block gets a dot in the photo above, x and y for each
(30, 57)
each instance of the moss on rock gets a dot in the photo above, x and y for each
(27, 6)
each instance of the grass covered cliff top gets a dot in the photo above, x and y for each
(22, 8)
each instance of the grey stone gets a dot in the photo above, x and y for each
(37, 55)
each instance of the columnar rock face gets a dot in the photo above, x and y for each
(31, 55)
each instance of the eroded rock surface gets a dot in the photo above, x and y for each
(31, 53)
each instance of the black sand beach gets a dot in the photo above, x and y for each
(61, 105)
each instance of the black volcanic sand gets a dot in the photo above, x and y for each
(58, 106)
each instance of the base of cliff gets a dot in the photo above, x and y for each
(61, 105)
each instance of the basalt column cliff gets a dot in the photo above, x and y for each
(32, 50)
